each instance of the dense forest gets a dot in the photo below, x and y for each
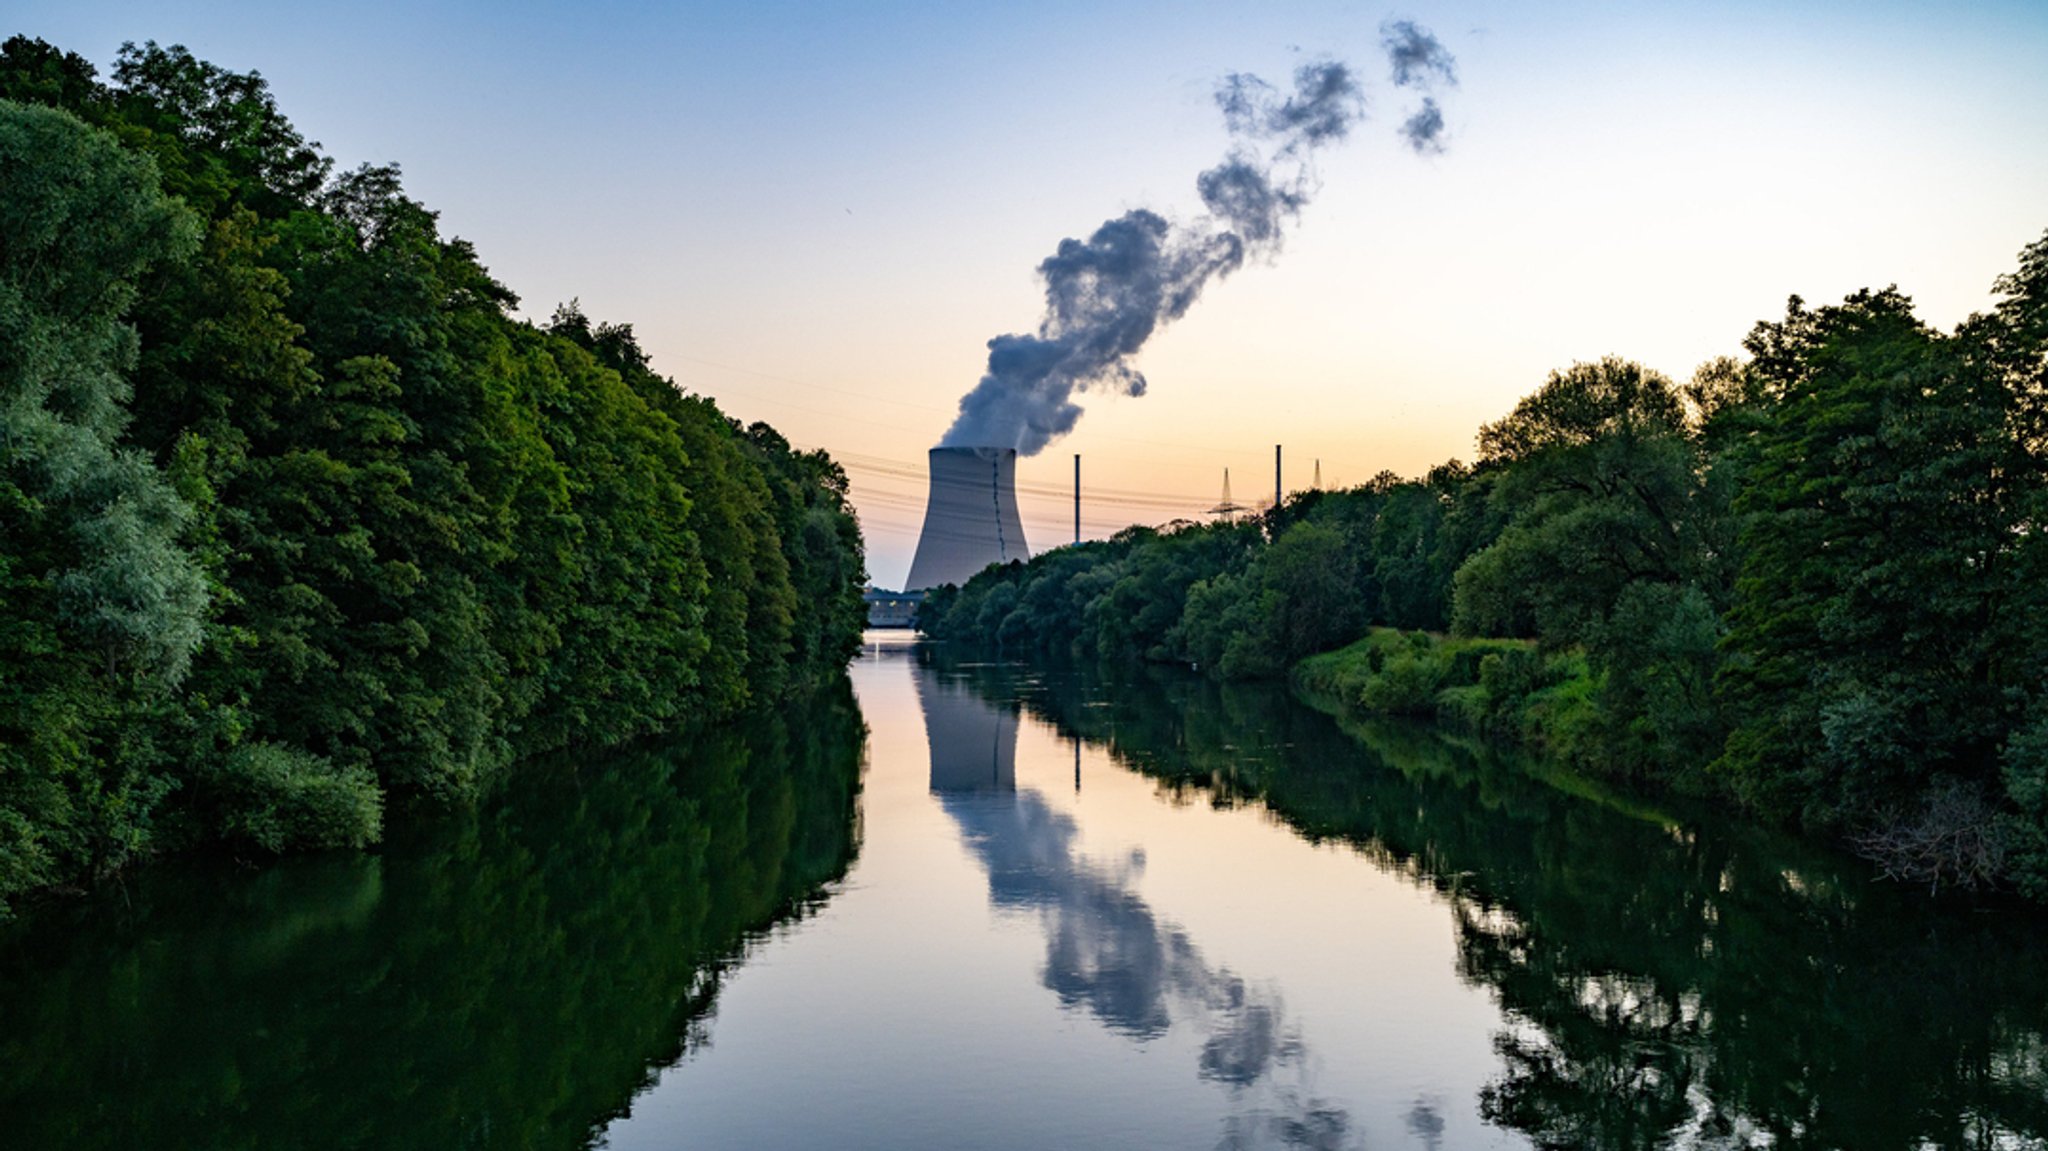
(298, 521)
(1812, 581)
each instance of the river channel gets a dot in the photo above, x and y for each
(966, 904)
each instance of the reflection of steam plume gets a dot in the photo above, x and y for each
(1105, 296)
(1105, 950)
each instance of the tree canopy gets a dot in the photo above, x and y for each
(301, 522)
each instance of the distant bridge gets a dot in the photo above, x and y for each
(892, 608)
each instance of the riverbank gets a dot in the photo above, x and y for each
(1502, 688)
(1549, 703)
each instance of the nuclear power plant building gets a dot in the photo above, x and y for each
(970, 518)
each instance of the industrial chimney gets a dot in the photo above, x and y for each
(970, 518)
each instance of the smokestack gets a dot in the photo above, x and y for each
(970, 518)
(1077, 497)
(1276, 479)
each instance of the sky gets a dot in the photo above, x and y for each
(820, 214)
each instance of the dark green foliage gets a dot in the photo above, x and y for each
(1126, 598)
(300, 522)
(1419, 536)
(1596, 478)
(1297, 597)
(1614, 541)
(100, 605)
(218, 133)
(2025, 775)
(822, 546)
(780, 548)
(1881, 511)
(1220, 596)
(273, 798)
(2012, 345)
(1656, 654)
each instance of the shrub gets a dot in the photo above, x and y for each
(280, 798)
(1466, 657)
(1955, 838)
(1406, 686)
(1564, 715)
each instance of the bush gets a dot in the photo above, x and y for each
(279, 798)
(1407, 685)
(1955, 838)
(1466, 705)
(1564, 716)
(1467, 657)
(1513, 674)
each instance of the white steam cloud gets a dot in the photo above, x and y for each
(1106, 295)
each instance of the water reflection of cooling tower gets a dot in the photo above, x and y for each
(970, 518)
(1107, 952)
(974, 745)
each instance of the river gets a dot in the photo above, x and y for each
(979, 905)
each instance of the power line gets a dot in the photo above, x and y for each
(878, 465)
(874, 399)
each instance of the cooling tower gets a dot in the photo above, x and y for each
(970, 518)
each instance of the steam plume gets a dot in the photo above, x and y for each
(1417, 61)
(1106, 295)
(1415, 56)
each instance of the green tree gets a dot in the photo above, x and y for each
(103, 605)
(1595, 481)
(2012, 344)
(1610, 543)
(1878, 525)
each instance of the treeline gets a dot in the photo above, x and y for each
(1813, 580)
(296, 520)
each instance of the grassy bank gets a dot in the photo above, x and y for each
(1505, 688)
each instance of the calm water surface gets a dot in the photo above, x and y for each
(1030, 909)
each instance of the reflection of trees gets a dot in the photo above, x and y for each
(1669, 981)
(510, 978)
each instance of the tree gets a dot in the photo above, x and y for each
(1878, 526)
(1609, 542)
(2012, 344)
(102, 605)
(305, 517)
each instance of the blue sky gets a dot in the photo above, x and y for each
(820, 213)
